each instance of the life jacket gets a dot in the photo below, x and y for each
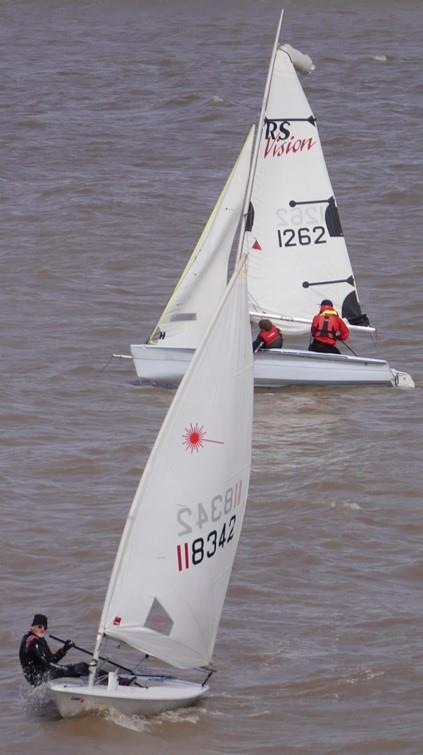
(270, 336)
(326, 327)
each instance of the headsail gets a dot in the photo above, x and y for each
(298, 254)
(175, 558)
(204, 279)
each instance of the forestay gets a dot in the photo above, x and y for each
(294, 235)
(175, 558)
(204, 279)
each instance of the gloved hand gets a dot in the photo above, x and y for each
(68, 645)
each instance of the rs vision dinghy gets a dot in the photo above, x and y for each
(280, 194)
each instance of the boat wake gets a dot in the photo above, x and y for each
(148, 725)
(37, 703)
(345, 506)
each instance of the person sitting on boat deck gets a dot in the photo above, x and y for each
(327, 328)
(269, 337)
(38, 662)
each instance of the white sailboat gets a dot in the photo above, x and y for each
(298, 256)
(172, 569)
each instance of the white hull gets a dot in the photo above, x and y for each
(74, 697)
(164, 365)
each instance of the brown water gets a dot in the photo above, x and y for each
(119, 123)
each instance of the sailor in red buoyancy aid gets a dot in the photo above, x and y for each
(270, 337)
(327, 328)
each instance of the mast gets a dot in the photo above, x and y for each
(257, 139)
(94, 660)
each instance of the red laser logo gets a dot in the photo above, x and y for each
(194, 438)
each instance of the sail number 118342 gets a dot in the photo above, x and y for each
(194, 553)
(217, 516)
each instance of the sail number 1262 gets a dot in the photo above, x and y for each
(302, 236)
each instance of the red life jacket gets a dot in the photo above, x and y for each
(270, 336)
(326, 328)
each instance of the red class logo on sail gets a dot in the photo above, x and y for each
(280, 141)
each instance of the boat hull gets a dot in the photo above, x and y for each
(274, 368)
(74, 697)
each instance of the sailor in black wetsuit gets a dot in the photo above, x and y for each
(38, 662)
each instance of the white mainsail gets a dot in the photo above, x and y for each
(298, 254)
(204, 279)
(174, 562)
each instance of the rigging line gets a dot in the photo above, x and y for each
(348, 347)
(204, 682)
(88, 652)
(253, 301)
(102, 370)
(117, 356)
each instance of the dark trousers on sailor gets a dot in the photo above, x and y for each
(324, 348)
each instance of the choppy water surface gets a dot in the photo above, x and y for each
(119, 125)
